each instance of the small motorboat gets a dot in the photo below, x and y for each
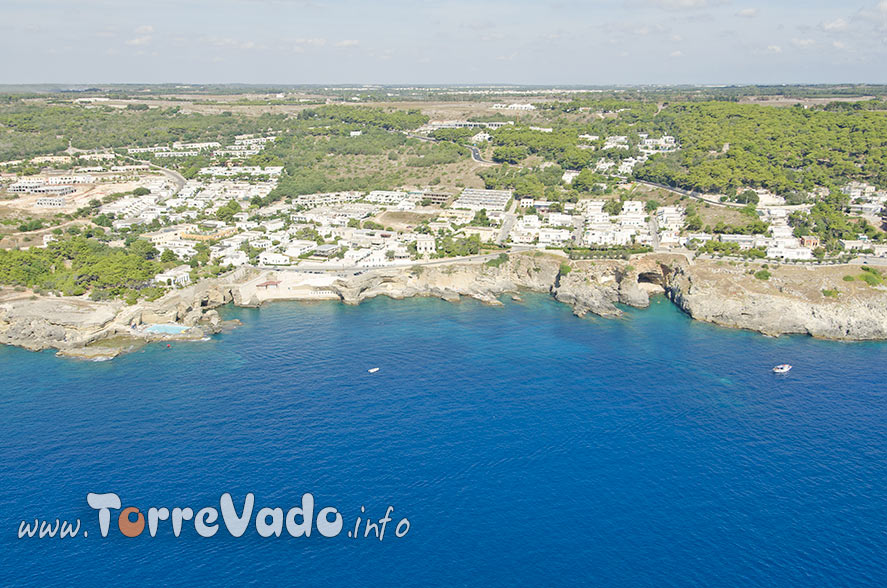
(782, 368)
(373, 370)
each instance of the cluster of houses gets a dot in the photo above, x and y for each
(200, 197)
(277, 236)
(865, 199)
(601, 228)
(514, 107)
(52, 188)
(244, 146)
(461, 124)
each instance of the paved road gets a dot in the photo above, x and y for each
(578, 230)
(476, 156)
(177, 178)
(475, 152)
(420, 137)
(507, 223)
(869, 260)
(654, 231)
(691, 194)
(353, 269)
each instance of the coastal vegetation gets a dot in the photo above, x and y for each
(80, 265)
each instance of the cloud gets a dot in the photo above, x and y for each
(144, 36)
(680, 4)
(229, 43)
(774, 49)
(876, 16)
(345, 43)
(839, 45)
(676, 54)
(839, 24)
(139, 41)
(316, 42)
(301, 45)
(747, 13)
(803, 43)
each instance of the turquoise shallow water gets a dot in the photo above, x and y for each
(524, 445)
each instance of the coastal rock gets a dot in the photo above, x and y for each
(577, 290)
(53, 322)
(630, 292)
(725, 293)
(213, 319)
(786, 304)
(91, 353)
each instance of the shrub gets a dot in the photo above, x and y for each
(872, 279)
(565, 269)
(762, 275)
(833, 293)
(849, 278)
(503, 257)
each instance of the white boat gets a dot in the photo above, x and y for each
(782, 368)
(373, 370)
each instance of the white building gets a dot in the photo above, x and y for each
(518, 107)
(387, 197)
(271, 258)
(670, 218)
(177, 276)
(177, 154)
(196, 146)
(51, 202)
(786, 251)
(557, 219)
(236, 170)
(425, 245)
(554, 237)
(300, 247)
(490, 200)
(569, 176)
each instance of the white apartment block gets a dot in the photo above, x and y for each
(196, 146)
(177, 154)
(386, 197)
(236, 170)
(51, 202)
(518, 107)
(490, 200)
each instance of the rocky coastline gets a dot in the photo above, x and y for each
(792, 301)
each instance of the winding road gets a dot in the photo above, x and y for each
(177, 178)
(476, 156)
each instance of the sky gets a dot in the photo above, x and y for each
(590, 42)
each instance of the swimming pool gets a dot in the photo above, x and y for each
(166, 329)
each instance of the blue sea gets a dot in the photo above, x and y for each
(525, 446)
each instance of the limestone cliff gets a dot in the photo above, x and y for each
(792, 301)
(822, 301)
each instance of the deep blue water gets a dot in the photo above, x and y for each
(525, 446)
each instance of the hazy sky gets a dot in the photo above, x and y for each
(460, 41)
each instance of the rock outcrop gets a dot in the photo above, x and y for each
(785, 304)
(792, 301)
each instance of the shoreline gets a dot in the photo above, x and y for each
(717, 292)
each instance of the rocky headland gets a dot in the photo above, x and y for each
(816, 301)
